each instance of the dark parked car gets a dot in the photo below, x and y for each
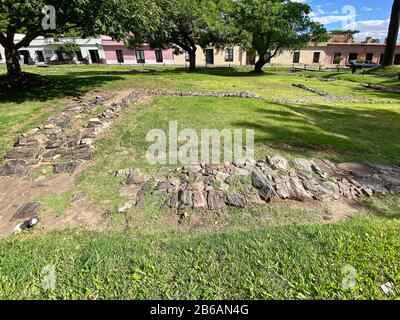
(362, 64)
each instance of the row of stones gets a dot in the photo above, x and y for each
(215, 186)
(331, 98)
(238, 184)
(52, 140)
(231, 94)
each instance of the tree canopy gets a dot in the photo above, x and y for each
(183, 25)
(69, 49)
(350, 33)
(266, 27)
(263, 27)
(80, 17)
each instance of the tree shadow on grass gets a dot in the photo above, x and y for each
(60, 86)
(149, 71)
(345, 134)
(231, 72)
(383, 206)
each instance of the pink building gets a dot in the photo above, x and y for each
(115, 52)
(370, 51)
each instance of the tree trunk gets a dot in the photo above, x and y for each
(388, 57)
(260, 63)
(12, 60)
(192, 60)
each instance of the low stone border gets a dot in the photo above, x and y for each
(331, 98)
(316, 78)
(313, 90)
(381, 88)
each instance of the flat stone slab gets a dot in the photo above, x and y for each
(24, 152)
(27, 211)
(67, 167)
(15, 168)
(358, 169)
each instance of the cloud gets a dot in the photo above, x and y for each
(370, 28)
(366, 9)
(347, 19)
(330, 19)
(348, 15)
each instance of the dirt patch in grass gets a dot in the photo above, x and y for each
(16, 191)
(286, 212)
(116, 95)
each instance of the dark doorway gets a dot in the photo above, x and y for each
(209, 56)
(369, 57)
(26, 55)
(79, 55)
(337, 57)
(397, 59)
(316, 57)
(381, 59)
(353, 56)
(159, 55)
(120, 56)
(39, 56)
(94, 56)
(296, 57)
(60, 56)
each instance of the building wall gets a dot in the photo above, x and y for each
(110, 46)
(111, 56)
(106, 49)
(48, 46)
(240, 57)
(361, 49)
(306, 57)
(219, 57)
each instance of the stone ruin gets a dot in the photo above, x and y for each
(238, 184)
(58, 142)
(210, 186)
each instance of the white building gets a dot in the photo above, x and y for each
(92, 50)
(44, 50)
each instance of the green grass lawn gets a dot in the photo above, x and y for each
(263, 252)
(296, 262)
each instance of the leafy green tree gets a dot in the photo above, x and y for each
(267, 27)
(393, 33)
(350, 33)
(185, 24)
(80, 17)
(337, 60)
(69, 49)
